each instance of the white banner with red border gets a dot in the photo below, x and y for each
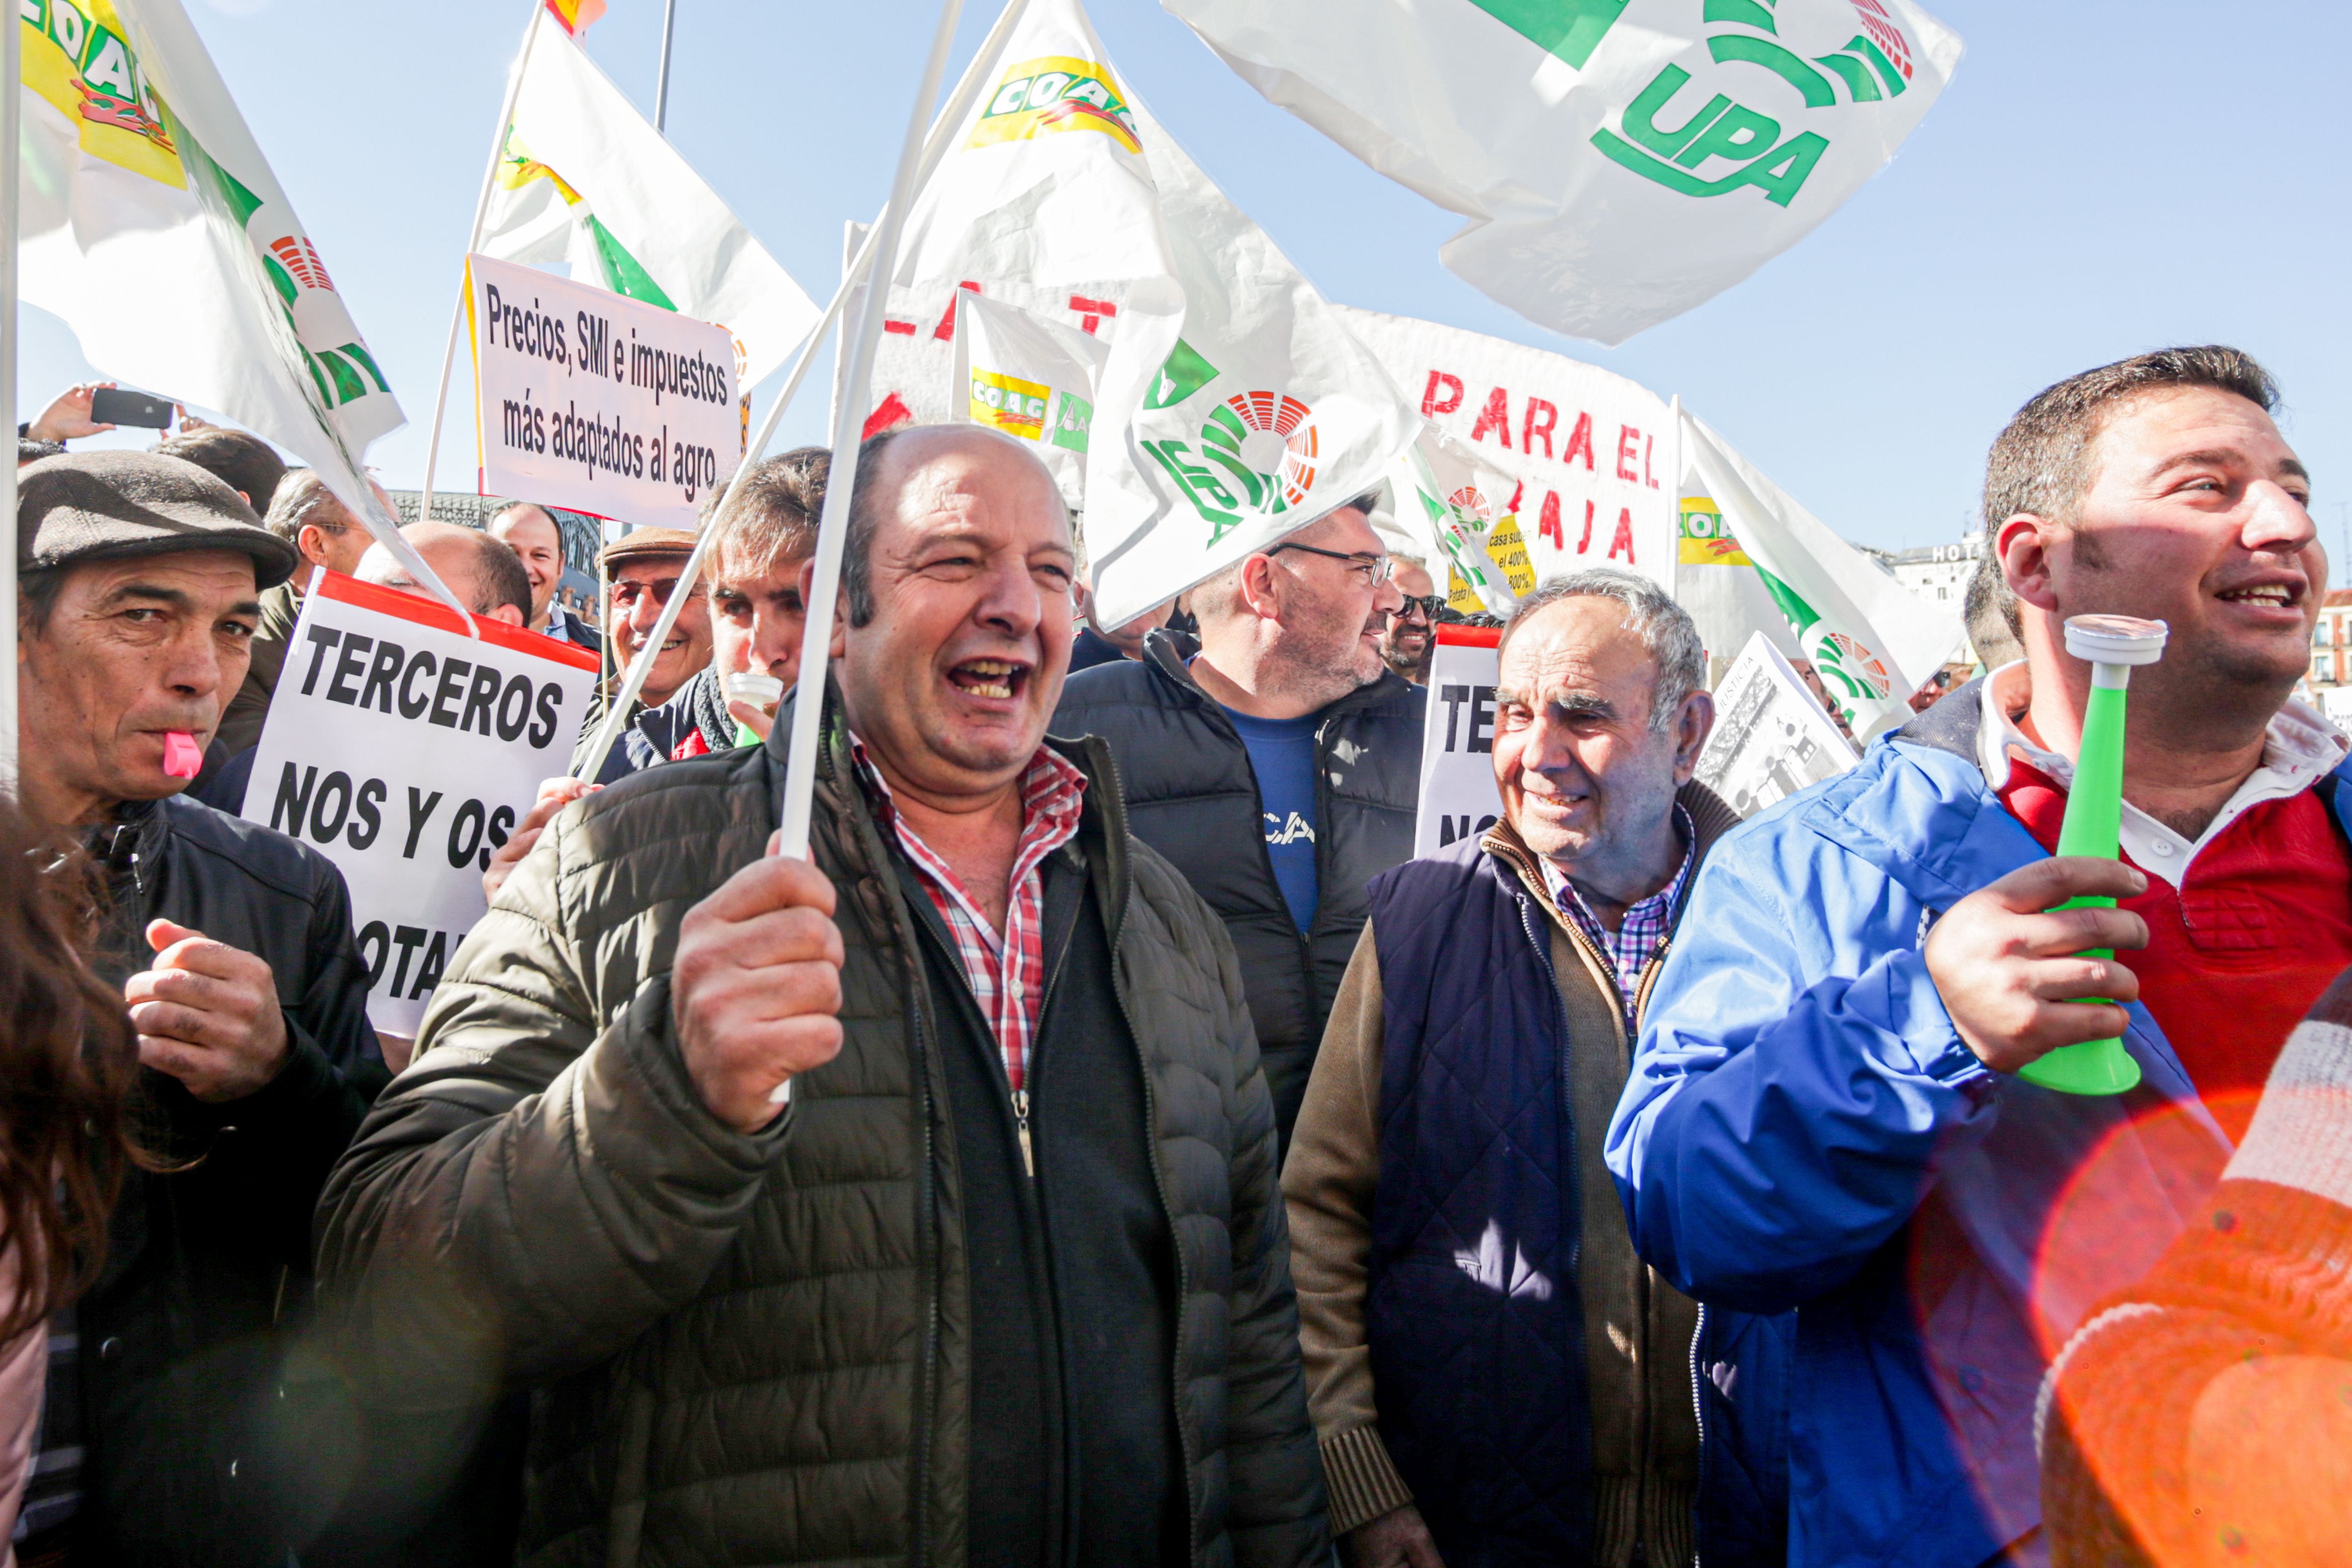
(404, 752)
(1459, 795)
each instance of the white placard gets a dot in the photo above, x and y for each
(1458, 797)
(1772, 737)
(587, 400)
(404, 752)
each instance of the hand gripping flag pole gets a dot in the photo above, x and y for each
(2092, 826)
(933, 148)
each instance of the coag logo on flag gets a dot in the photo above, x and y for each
(1872, 66)
(1056, 93)
(1009, 404)
(1704, 541)
(79, 61)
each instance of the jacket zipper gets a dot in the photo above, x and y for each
(1116, 832)
(1021, 1096)
(1698, 1416)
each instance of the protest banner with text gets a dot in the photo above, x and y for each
(1589, 452)
(588, 400)
(405, 751)
(1458, 797)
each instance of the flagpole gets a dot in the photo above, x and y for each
(661, 86)
(1675, 504)
(473, 243)
(934, 147)
(10, 181)
(848, 423)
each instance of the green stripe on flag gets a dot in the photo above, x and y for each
(622, 273)
(1568, 29)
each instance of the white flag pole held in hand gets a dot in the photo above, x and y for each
(934, 147)
(848, 420)
(474, 243)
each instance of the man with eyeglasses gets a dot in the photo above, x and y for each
(1277, 762)
(1412, 636)
(643, 567)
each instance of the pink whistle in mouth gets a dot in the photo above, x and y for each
(183, 758)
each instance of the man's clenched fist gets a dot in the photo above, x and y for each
(207, 1014)
(2007, 971)
(755, 990)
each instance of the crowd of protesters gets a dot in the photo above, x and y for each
(1112, 1145)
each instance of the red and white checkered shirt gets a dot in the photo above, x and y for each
(1007, 969)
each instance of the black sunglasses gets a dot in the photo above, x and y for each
(1429, 605)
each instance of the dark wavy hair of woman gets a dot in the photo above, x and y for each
(68, 1060)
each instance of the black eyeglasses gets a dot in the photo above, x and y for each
(1373, 569)
(1427, 604)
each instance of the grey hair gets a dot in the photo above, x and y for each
(302, 499)
(1666, 628)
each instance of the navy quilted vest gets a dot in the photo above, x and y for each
(1473, 1318)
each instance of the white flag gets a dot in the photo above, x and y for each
(1872, 641)
(1461, 510)
(153, 223)
(1033, 377)
(1233, 405)
(1619, 161)
(584, 178)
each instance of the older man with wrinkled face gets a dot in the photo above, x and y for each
(1489, 1405)
(1016, 1242)
(140, 581)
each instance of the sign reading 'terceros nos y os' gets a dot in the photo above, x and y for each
(588, 400)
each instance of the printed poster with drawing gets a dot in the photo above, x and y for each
(1771, 736)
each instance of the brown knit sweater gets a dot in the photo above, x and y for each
(1638, 1327)
(2204, 1416)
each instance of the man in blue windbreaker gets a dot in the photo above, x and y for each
(1823, 1112)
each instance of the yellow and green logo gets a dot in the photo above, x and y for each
(1009, 404)
(1053, 93)
(75, 56)
(1705, 541)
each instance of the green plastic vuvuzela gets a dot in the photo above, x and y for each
(2112, 645)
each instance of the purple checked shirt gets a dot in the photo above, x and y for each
(1628, 949)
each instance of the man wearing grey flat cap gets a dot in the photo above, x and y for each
(175, 1433)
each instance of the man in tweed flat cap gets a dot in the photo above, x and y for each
(140, 578)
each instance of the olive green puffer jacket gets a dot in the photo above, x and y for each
(755, 1349)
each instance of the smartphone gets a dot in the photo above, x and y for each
(111, 405)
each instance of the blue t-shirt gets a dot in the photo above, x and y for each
(1282, 754)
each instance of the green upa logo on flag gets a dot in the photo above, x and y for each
(1683, 140)
(1240, 435)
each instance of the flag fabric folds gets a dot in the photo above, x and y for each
(1619, 161)
(153, 225)
(1233, 407)
(1872, 641)
(583, 178)
(1033, 377)
(1464, 511)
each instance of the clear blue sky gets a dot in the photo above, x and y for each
(2101, 177)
